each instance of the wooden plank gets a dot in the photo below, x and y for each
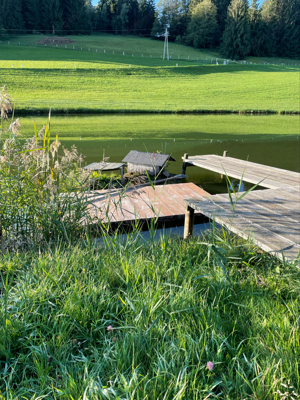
(250, 163)
(276, 197)
(248, 176)
(255, 215)
(103, 166)
(268, 241)
(239, 167)
(141, 205)
(172, 203)
(151, 197)
(237, 174)
(197, 189)
(178, 193)
(272, 209)
(166, 202)
(258, 167)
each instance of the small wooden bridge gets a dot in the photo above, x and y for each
(270, 217)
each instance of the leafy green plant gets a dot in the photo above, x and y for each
(103, 181)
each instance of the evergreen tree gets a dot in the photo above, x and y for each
(124, 17)
(158, 29)
(236, 37)
(11, 17)
(222, 8)
(203, 28)
(282, 19)
(102, 20)
(76, 17)
(51, 16)
(32, 15)
(258, 32)
(145, 17)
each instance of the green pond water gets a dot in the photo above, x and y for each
(269, 140)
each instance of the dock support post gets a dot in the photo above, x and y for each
(188, 222)
(225, 154)
(184, 165)
(122, 175)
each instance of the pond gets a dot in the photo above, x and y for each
(271, 140)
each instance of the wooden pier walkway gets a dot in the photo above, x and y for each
(270, 217)
(269, 177)
(164, 203)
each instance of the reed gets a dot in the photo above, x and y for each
(43, 190)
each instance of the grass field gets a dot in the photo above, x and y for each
(132, 321)
(43, 77)
(169, 127)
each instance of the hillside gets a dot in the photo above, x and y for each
(75, 80)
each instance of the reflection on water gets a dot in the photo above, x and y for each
(280, 151)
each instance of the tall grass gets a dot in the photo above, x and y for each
(42, 189)
(140, 320)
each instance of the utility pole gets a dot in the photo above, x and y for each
(166, 45)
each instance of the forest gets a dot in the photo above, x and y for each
(236, 27)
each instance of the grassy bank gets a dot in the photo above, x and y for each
(140, 47)
(178, 127)
(77, 81)
(126, 321)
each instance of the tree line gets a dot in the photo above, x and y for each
(76, 16)
(237, 28)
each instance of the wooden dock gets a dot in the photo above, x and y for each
(270, 177)
(271, 217)
(164, 203)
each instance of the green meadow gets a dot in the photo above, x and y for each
(140, 320)
(179, 127)
(68, 80)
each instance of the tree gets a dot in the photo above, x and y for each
(222, 8)
(158, 29)
(76, 16)
(11, 18)
(203, 28)
(52, 16)
(173, 14)
(102, 21)
(145, 17)
(257, 30)
(32, 14)
(124, 17)
(236, 37)
(282, 19)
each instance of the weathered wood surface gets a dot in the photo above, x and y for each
(143, 203)
(103, 166)
(269, 177)
(271, 218)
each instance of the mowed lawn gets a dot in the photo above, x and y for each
(169, 127)
(73, 80)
